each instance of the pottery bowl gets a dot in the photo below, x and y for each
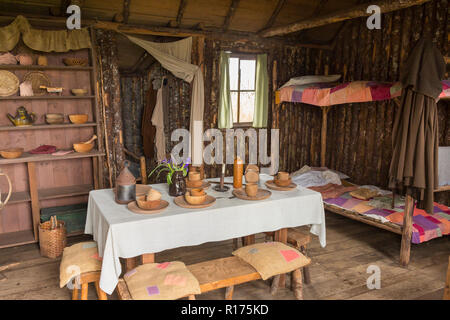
(283, 183)
(11, 153)
(75, 61)
(195, 200)
(83, 147)
(193, 184)
(54, 118)
(78, 118)
(194, 176)
(251, 189)
(79, 92)
(147, 205)
(197, 192)
(283, 175)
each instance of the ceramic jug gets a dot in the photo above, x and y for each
(22, 118)
(3, 203)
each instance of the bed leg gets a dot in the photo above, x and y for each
(405, 250)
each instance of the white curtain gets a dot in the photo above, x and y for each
(176, 57)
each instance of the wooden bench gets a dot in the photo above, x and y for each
(223, 273)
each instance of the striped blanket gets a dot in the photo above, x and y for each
(326, 94)
(425, 226)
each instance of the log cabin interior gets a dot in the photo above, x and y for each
(359, 126)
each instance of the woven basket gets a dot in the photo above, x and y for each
(75, 62)
(52, 242)
(9, 83)
(37, 79)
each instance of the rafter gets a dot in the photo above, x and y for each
(275, 14)
(230, 14)
(126, 10)
(181, 10)
(354, 12)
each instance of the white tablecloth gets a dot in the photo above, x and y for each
(122, 233)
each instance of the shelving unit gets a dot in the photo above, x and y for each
(32, 168)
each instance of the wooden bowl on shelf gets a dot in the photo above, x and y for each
(79, 62)
(79, 92)
(195, 200)
(78, 118)
(83, 147)
(54, 118)
(147, 205)
(11, 153)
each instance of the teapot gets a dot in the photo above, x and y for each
(22, 118)
(3, 203)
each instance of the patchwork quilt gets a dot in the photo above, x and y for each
(425, 226)
(327, 94)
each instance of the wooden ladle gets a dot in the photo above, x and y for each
(94, 137)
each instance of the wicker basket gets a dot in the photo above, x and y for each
(52, 242)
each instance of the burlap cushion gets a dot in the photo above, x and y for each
(77, 259)
(161, 281)
(272, 258)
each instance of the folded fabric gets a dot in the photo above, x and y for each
(332, 190)
(364, 193)
(385, 202)
(44, 149)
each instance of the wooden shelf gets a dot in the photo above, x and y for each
(36, 67)
(18, 197)
(46, 97)
(11, 239)
(27, 157)
(48, 126)
(52, 193)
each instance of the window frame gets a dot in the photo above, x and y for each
(242, 56)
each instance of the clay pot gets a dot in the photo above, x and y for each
(24, 59)
(197, 192)
(283, 183)
(195, 200)
(251, 189)
(283, 175)
(194, 176)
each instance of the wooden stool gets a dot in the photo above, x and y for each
(222, 273)
(85, 279)
(81, 261)
(298, 240)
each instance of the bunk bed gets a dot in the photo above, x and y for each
(423, 226)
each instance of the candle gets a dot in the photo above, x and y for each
(223, 168)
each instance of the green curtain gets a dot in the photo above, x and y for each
(225, 109)
(262, 92)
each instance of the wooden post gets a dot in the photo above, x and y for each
(35, 208)
(131, 263)
(281, 236)
(447, 283)
(323, 138)
(143, 170)
(84, 291)
(407, 231)
(297, 285)
(229, 293)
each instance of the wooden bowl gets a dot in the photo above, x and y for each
(83, 147)
(194, 176)
(79, 92)
(283, 175)
(78, 118)
(197, 192)
(11, 153)
(195, 200)
(251, 189)
(194, 184)
(54, 118)
(282, 183)
(147, 205)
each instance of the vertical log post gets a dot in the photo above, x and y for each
(407, 231)
(323, 138)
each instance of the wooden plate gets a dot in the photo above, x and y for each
(271, 185)
(132, 206)
(261, 195)
(180, 201)
(142, 189)
(205, 185)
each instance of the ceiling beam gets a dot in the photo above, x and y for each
(275, 14)
(126, 10)
(352, 13)
(230, 14)
(181, 10)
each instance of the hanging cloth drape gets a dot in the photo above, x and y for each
(414, 167)
(158, 122)
(225, 109)
(42, 40)
(261, 92)
(171, 56)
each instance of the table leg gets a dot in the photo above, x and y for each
(131, 263)
(281, 236)
(148, 258)
(248, 240)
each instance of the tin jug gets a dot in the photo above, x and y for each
(125, 185)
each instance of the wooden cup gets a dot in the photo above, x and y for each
(283, 175)
(251, 189)
(194, 176)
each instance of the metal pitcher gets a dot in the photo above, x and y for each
(3, 203)
(125, 185)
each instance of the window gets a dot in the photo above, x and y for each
(242, 87)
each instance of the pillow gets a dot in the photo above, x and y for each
(161, 281)
(77, 259)
(272, 258)
(304, 80)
